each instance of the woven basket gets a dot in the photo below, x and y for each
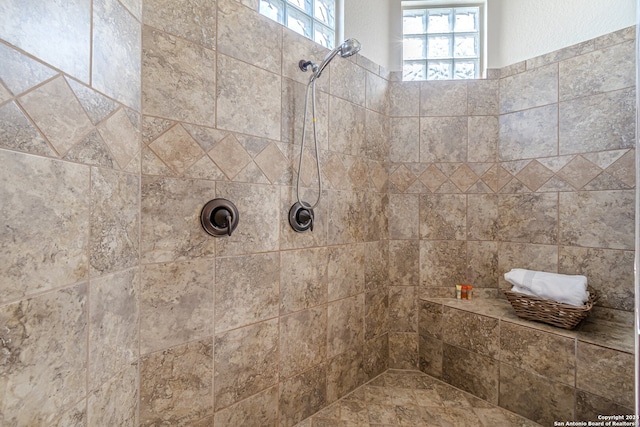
(551, 312)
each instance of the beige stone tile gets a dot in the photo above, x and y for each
(303, 395)
(58, 114)
(96, 105)
(346, 127)
(433, 177)
(114, 227)
(293, 102)
(482, 217)
(625, 34)
(248, 92)
(273, 163)
(115, 52)
(121, 136)
(443, 217)
(589, 406)
(605, 372)
(245, 361)
(376, 314)
(430, 355)
(471, 372)
(624, 169)
(403, 350)
(36, 27)
(191, 20)
(379, 176)
(376, 265)
(599, 71)
(482, 271)
(20, 73)
(557, 401)
(610, 272)
(52, 194)
(512, 69)
(113, 331)
(258, 229)
(529, 218)
(345, 325)
(75, 417)
(247, 290)
(177, 77)
(529, 134)
(404, 99)
(92, 150)
(483, 139)
(177, 149)
(475, 333)
(442, 263)
(443, 98)
(377, 94)
(5, 95)
(443, 139)
(174, 234)
(348, 81)
(115, 403)
(375, 356)
(525, 348)
(303, 340)
(375, 207)
(258, 410)
(44, 357)
(597, 122)
(176, 304)
(561, 54)
(186, 371)
(345, 271)
(403, 310)
(230, 156)
(295, 48)
(463, 178)
(347, 217)
(404, 139)
(303, 279)
(483, 97)
(249, 36)
(404, 266)
(402, 178)
(377, 131)
(533, 88)
(17, 132)
(609, 215)
(535, 175)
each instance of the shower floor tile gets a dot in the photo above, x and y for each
(411, 398)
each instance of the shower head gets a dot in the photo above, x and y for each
(348, 48)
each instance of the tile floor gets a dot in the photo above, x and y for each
(411, 398)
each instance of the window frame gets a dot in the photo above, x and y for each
(481, 36)
(314, 21)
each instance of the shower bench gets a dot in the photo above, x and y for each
(541, 372)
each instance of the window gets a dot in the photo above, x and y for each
(314, 19)
(441, 43)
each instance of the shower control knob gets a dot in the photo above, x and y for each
(219, 217)
(301, 217)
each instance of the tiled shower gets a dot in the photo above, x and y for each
(119, 120)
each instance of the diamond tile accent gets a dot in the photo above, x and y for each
(624, 169)
(177, 149)
(152, 127)
(56, 111)
(230, 157)
(206, 137)
(490, 178)
(205, 169)
(433, 178)
(578, 172)
(96, 105)
(504, 177)
(402, 178)
(358, 174)
(534, 175)
(604, 159)
(379, 176)
(336, 172)
(18, 133)
(464, 177)
(272, 162)
(91, 151)
(5, 95)
(121, 137)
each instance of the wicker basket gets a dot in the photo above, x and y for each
(547, 311)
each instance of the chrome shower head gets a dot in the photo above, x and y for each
(348, 48)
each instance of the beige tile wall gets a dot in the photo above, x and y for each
(112, 142)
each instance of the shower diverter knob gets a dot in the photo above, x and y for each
(219, 217)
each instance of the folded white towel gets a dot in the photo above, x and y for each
(564, 288)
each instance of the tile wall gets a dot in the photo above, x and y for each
(120, 119)
(531, 168)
